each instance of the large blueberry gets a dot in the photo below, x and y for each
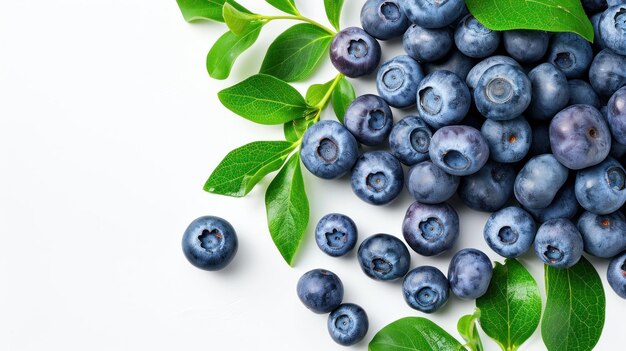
(426, 289)
(433, 14)
(377, 177)
(427, 45)
(607, 74)
(328, 149)
(564, 205)
(348, 324)
(550, 92)
(355, 53)
(384, 257)
(580, 137)
(570, 53)
(210, 243)
(477, 71)
(336, 234)
(475, 40)
(454, 62)
(383, 19)
(581, 92)
(369, 119)
(616, 275)
(321, 291)
(603, 235)
(558, 243)
(616, 115)
(510, 232)
(503, 92)
(442, 99)
(526, 45)
(490, 188)
(470, 273)
(612, 28)
(430, 229)
(601, 189)
(539, 181)
(410, 139)
(397, 81)
(509, 141)
(459, 150)
(430, 184)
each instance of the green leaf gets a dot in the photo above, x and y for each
(240, 22)
(575, 309)
(287, 209)
(467, 328)
(333, 12)
(414, 333)
(295, 129)
(285, 5)
(205, 10)
(226, 50)
(264, 99)
(317, 92)
(244, 167)
(342, 97)
(548, 15)
(297, 52)
(511, 308)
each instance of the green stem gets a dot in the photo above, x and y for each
(320, 106)
(303, 19)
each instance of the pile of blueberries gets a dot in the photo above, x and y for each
(527, 125)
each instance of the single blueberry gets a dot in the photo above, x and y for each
(603, 235)
(616, 115)
(616, 275)
(383, 19)
(570, 53)
(490, 188)
(459, 150)
(601, 189)
(503, 92)
(384, 257)
(369, 119)
(427, 45)
(430, 229)
(475, 40)
(442, 99)
(348, 324)
(477, 71)
(581, 92)
(430, 184)
(598, 44)
(355, 53)
(550, 92)
(510, 232)
(426, 289)
(210, 243)
(526, 45)
(607, 74)
(397, 81)
(433, 13)
(539, 181)
(410, 139)
(454, 62)
(336, 234)
(558, 243)
(377, 177)
(470, 273)
(509, 141)
(328, 149)
(612, 28)
(321, 291)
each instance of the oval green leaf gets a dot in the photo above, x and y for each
(287, 6)
(297, 52)
(414, 334)
(548, 15)
(574, 316)
(342, 97)
(466, 326)
(239, 22)
(333, 12)
(244, 167)
(205, 10)
(295, 129)
(265, 100)
(511, 309)
(287, 208)
(226, 50)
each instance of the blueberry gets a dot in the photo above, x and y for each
(433, 14)
(430, 229)
(541, 139)
(558, 243)
(328, 150)
(475, 40)
(429, 184)
(426, 289)
(564, 205)
(510, 232)
(470, 273)
(570, 53)
(581, 92)
(616, 275)
(539, 181)
(355, 53)
(509, 141)
(503, 92)
(348, 324)
(377, 177)
(336, 234)
(593, 6)
(616, 115)
(598, 44)
(427, 45)
(607, 74)
(210, 243)
(442, 99)
(526, 45)
(580, 137)
(369, 119)
(477, 71)
(603, 235)
(409, 140)
(601, 189)
(397, 81)
(612, 27)
(550, 92)
(454, 62)
(459, 150)
(490, 188)
(321, 291)
(384, 257)
(383, 19)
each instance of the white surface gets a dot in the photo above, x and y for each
(109, 126)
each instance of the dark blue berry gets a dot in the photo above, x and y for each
(336, 234)
(470, 273)
(603, 235)
(348, 324)
(558, 243)
(369, 119)
(427, 45)
(328, 150)
(384, 257)
(475, 40)
(430, 229)
(210, 243)
(321, 291)
(355, 53)
(616, 275)
(426, 289)
(383, 19)
(490, 188)
(377, 177)
(442, 99)
(430, 184)
(397, 81)
(459, 150)
(510, 232)
(410, 139)
(503, 92)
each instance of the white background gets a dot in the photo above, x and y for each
(109, 126)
